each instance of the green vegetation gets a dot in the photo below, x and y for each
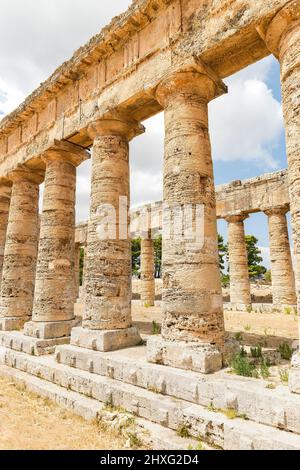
(285, 351)
(156, 328)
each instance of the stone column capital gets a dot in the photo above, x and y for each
(204, 84)
(66, 152)
(22, 173)
(116, 123)
(236, 218)
(281, 210)
(283, 22)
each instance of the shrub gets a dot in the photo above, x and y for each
(156, 328)
(256, 352)
(285, 351)
(241, 366)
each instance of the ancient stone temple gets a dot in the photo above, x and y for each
(168, 56)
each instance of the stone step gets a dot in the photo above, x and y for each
(212, 426)
(151, 435)
(36, 347)
(277, 407)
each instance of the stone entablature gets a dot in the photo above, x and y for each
(122, 66)
(248, 196)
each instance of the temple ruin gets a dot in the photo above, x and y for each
(170, 56)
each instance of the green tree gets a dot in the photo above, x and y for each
(157, 242)
(136, 256)
(223, 252)
(256, 269)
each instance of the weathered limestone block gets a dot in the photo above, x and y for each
(238, 261)
(283, 281)
(108, 253)
(192, 297)
(54, 285)
(5, 193)
(20, 250)
(147, 272)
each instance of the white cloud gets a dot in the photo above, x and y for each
(10, 97)
(265, 254)
(247, 124)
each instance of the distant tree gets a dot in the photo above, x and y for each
(268, 277)
(136, 256)
(256, 269)
(223, 252)
(157, 242)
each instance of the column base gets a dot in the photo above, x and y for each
(205, 358)
(17, 341)
(294, 375)
(12, 324)
(105, 340)
(50, 330)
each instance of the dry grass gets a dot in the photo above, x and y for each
(29, 422)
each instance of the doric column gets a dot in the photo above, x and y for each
(107, 322)
(193, 325)
(76, 271)
(20, 252)
(147, 272)
(5, 193)
(53, 307)
(283, 282)
(240, 295)
(283, 39)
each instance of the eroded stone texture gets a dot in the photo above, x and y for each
(147, 272)
(108, 252)
(54, 284)
(283, 39)
(238, 261)
(283, 282)
(5, 193)
(192, 298)
(20, 252)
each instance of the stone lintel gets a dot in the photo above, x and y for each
(105, 340)
(294, 375)
(204, 358)
(17, 341)
(49, 330)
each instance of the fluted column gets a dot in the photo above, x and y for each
(20, 251)
(53, 307)
(5, 193)
(283, 282)
(283, 39)
(147, 272)
(193, 325)
(107, 322)
(240, 295)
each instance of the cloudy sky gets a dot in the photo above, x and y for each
(246, 125)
